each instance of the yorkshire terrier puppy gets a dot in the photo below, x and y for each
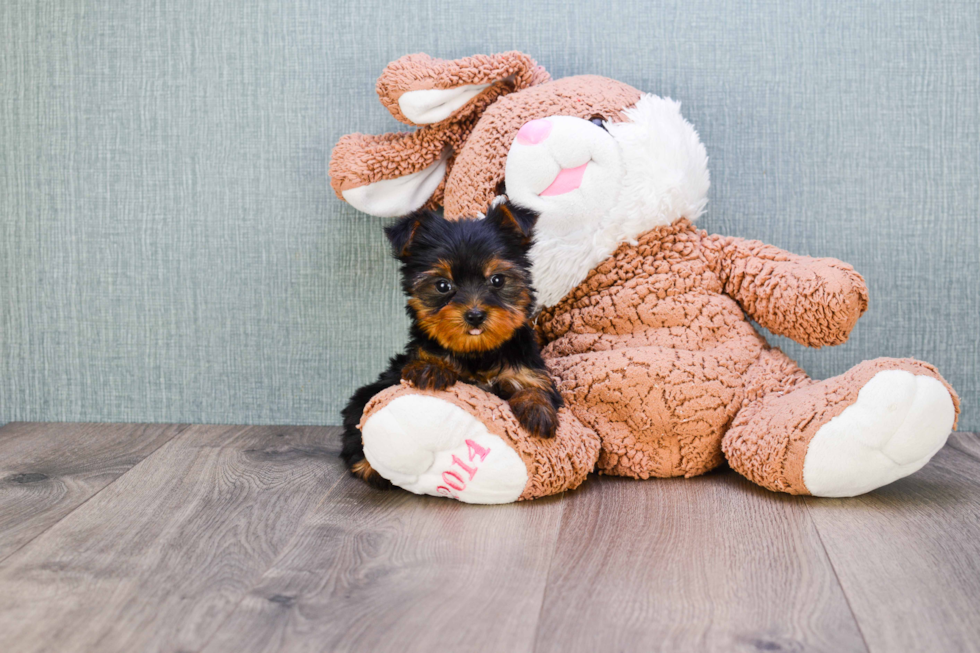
(470, 302)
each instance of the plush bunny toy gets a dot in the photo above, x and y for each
(645, 318)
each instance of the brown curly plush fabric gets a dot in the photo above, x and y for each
(361, 159)
(507, 72)
(479, 166)
(656, 355)
(768, 440)
(479, 134)
(553, 465)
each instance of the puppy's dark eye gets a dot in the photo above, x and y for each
(443, 286)
(497, 280)
(597, 121)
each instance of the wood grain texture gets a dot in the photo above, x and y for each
(967, 444)
(376, 572)
(232, 539)
(48, 470)
(708, 564)
(158, 559)
(908, 555)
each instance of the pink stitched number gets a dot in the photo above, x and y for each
(459, 485)
(476, 450)
(454, 480)
(466, 468)
(446, 492)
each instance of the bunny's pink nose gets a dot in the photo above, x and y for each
(534, 132)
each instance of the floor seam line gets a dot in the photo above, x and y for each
(547, 576)
(183, 428)
(833, 568)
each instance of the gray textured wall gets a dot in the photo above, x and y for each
(170, 249)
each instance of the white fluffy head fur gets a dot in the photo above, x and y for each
(666, 168)
(648, 171)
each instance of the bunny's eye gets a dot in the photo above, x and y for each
(598, 122)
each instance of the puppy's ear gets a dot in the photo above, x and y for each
(513, 219)
(403, 232)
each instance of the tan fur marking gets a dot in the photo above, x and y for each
(363, 470)
(500, 266)
(534, 410)
(522, 378)
(449, 328)
(407, 247)
(430, 372)
(443, 269)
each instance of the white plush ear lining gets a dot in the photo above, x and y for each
(391, 198)
(437, 104)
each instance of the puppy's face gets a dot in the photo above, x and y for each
(470, 303)
(467, 280)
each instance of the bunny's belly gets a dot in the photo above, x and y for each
(652, 355)
(659, 411)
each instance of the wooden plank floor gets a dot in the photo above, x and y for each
(207, 538)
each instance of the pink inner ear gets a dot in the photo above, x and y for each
(534, 132)
(567, 180)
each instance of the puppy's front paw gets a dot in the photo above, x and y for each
(427, 375)
(533, 409)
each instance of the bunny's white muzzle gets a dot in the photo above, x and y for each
(596, 187)
(567, 169)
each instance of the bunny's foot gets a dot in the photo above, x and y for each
(465, 444)
(876, 423)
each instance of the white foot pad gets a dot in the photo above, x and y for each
(897, 424)
(430, 446)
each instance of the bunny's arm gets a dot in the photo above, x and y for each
(814, 301)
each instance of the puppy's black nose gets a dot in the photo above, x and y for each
(475, 316)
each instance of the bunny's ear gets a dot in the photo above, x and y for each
(393, 174)
(420, 90)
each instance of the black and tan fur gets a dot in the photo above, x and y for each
(470, 301)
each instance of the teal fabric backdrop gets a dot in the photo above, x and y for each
(170, 249)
